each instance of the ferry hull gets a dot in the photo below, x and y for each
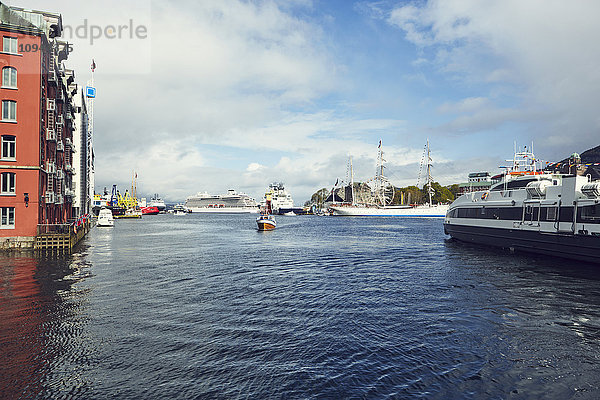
(438, 211)
(578, 247)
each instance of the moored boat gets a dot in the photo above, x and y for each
(382, 195)
(105, 218)
(232, 203)
(157, 202)
(179, 209)
(150, 210)
(533, 210)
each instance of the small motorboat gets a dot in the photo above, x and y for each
(105, 218)
(266, 222)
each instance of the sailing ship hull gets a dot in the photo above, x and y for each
(436, 211)
(579, 247)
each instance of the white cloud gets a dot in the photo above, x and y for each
(543, 54)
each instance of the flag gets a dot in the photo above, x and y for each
(93, 65)
(379, 144)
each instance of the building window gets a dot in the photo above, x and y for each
(9, 148)
(7, 220)
(9, 110)
(9, 77)
(9, 44)
(8, 183)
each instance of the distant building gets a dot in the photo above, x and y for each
(477, 181)
(82, 201)
(37, 145)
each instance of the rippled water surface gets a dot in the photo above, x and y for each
(207, 307)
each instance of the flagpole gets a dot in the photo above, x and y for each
(90, 133)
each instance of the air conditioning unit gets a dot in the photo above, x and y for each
(50, 198)
(50, 167)
(50, 134)
(50, 104)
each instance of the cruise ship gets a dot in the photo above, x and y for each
(526, 208)
(383, 194)
(232, 202)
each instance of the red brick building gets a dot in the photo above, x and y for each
(36, 128)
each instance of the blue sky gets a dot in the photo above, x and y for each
(238, 94)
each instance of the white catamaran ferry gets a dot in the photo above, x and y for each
(232, 202)
(383, 194)
(527, 208)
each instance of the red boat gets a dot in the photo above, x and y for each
(151, 210)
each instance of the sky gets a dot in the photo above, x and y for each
(216, 94)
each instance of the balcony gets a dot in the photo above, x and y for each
(50, 104)
(50, 167)
(59, 119)
(50, 135)
(60, 146)
(52, 76)
(49, 198)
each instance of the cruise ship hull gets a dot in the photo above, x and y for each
(567, 245)
(224, 210)
(437, 211)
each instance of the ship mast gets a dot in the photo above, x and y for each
(352, 180)
(429, 177)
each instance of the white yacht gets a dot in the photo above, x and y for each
(232, 202)
(383, 194)
(105, 218)
(529, 209)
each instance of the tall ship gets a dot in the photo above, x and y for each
(379, 205)
(530, 209)
(280, 199)
(232, 202)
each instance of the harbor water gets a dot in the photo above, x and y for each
(205, 306)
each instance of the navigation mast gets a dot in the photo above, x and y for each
(430, 190)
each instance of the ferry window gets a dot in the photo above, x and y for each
(7, 220)
(9, 110)
(8, 183)
(591, 213)
(551, 213)
(9, 145)
(528, 210)
(9, 77)
(9, 44)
